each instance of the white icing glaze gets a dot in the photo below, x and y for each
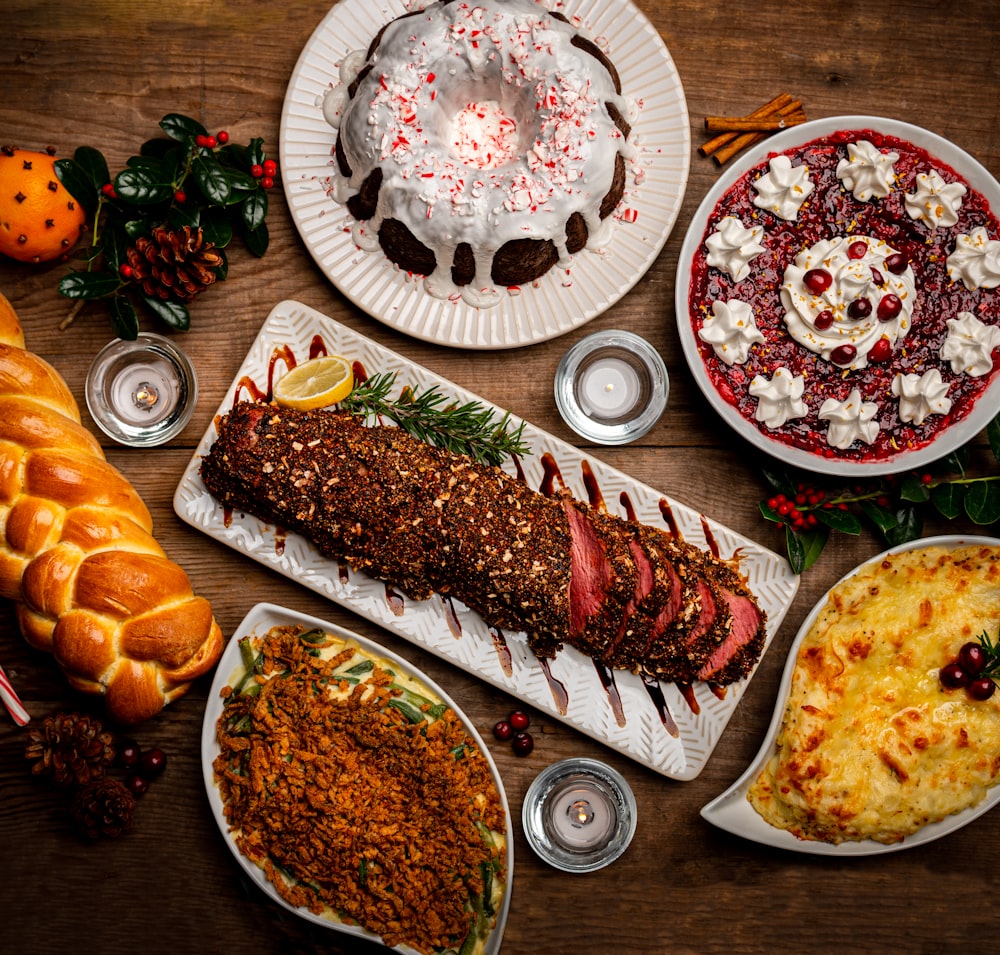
(921, 395)
(935, 201)
(732, 247)
(851, 420)
(863, 277)
(731, 329)
(970, 345)
(867, 172)
(976, 260)
(561, 147)
(783, 188)
(780, 399)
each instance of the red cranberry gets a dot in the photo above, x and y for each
(889, 307)
(522, 744)
(981, 688)
(503, 731)
(953, 677)
(843, 355)
(972, 658)
(128, 754)
(880, 351)
(857, 250)
(878, 278)
(153, 762)
(136, 784)
(519, 720)
(896, 263)
(824, 320)
(817, 280)
(859, 308)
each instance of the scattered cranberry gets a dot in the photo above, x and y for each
(270, 167)
(222, 136)
(153, 762)
(859, 308)
(824, 320)
(981, 688)
(953, 677)
(503, 731)
(128, 752)
(817, 280)
(519, 720)
(522, 744)
(972, 658)
(889, 307)
(877, 277)
(880, 351)
(843, 355)
(896, 263)
(857, 250)
(136, 784)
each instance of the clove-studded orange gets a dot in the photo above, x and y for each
(39, 219)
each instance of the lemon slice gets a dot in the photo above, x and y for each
(315, 383)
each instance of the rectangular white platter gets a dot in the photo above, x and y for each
(656, 725)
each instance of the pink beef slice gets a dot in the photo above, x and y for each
(590, 572)
(737, 655)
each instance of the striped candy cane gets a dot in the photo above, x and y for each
(14, 706)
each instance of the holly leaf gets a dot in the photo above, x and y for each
(881, 517)
(182, 128)
(216, 227)
(88, 285)
(172, 313)
(143, 186)
(803, 549)
(948, 499)
(982, 502)
(957, 461)
(769, 513)
(124, 319)
(79, 183)
(254, 209)
(257, 239)
(779, 480)
(914, 490)
(909, 525)
(838, 520)
(211, 179)
(255, 152)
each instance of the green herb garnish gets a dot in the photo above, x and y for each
(435, 418)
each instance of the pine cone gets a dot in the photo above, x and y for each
(71, 747)
(102, 809)
(174, 263)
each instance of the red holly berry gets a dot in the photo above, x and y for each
(256, 170)
(267, 182)
(125, 270)
(222, 136)
(270, 167)
(180, 196)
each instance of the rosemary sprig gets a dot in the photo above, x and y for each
(435, 418)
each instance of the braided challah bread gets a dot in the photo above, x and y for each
(77, 555)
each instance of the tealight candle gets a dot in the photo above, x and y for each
(611, 387)
(579, 815)
(141, 392)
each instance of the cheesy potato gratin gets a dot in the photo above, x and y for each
(872, 746)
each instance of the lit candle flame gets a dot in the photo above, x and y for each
(580, 814)
(145, 396)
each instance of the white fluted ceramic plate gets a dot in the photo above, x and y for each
(558, 302)
(732, 811)
(257, 622)
(654, 725)
(949, 439)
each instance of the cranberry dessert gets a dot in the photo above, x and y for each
(844, 296)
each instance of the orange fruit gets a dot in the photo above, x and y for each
(39, 219)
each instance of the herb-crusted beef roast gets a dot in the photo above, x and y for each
(431, 521)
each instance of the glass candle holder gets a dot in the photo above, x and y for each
(611, 387)
(579, 815)
(143, 392)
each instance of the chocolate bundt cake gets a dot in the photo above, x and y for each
(480, 144)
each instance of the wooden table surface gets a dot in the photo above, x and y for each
(103, 73)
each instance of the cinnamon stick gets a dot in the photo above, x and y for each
(749, 124)
(779, 101)
(744, 140)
